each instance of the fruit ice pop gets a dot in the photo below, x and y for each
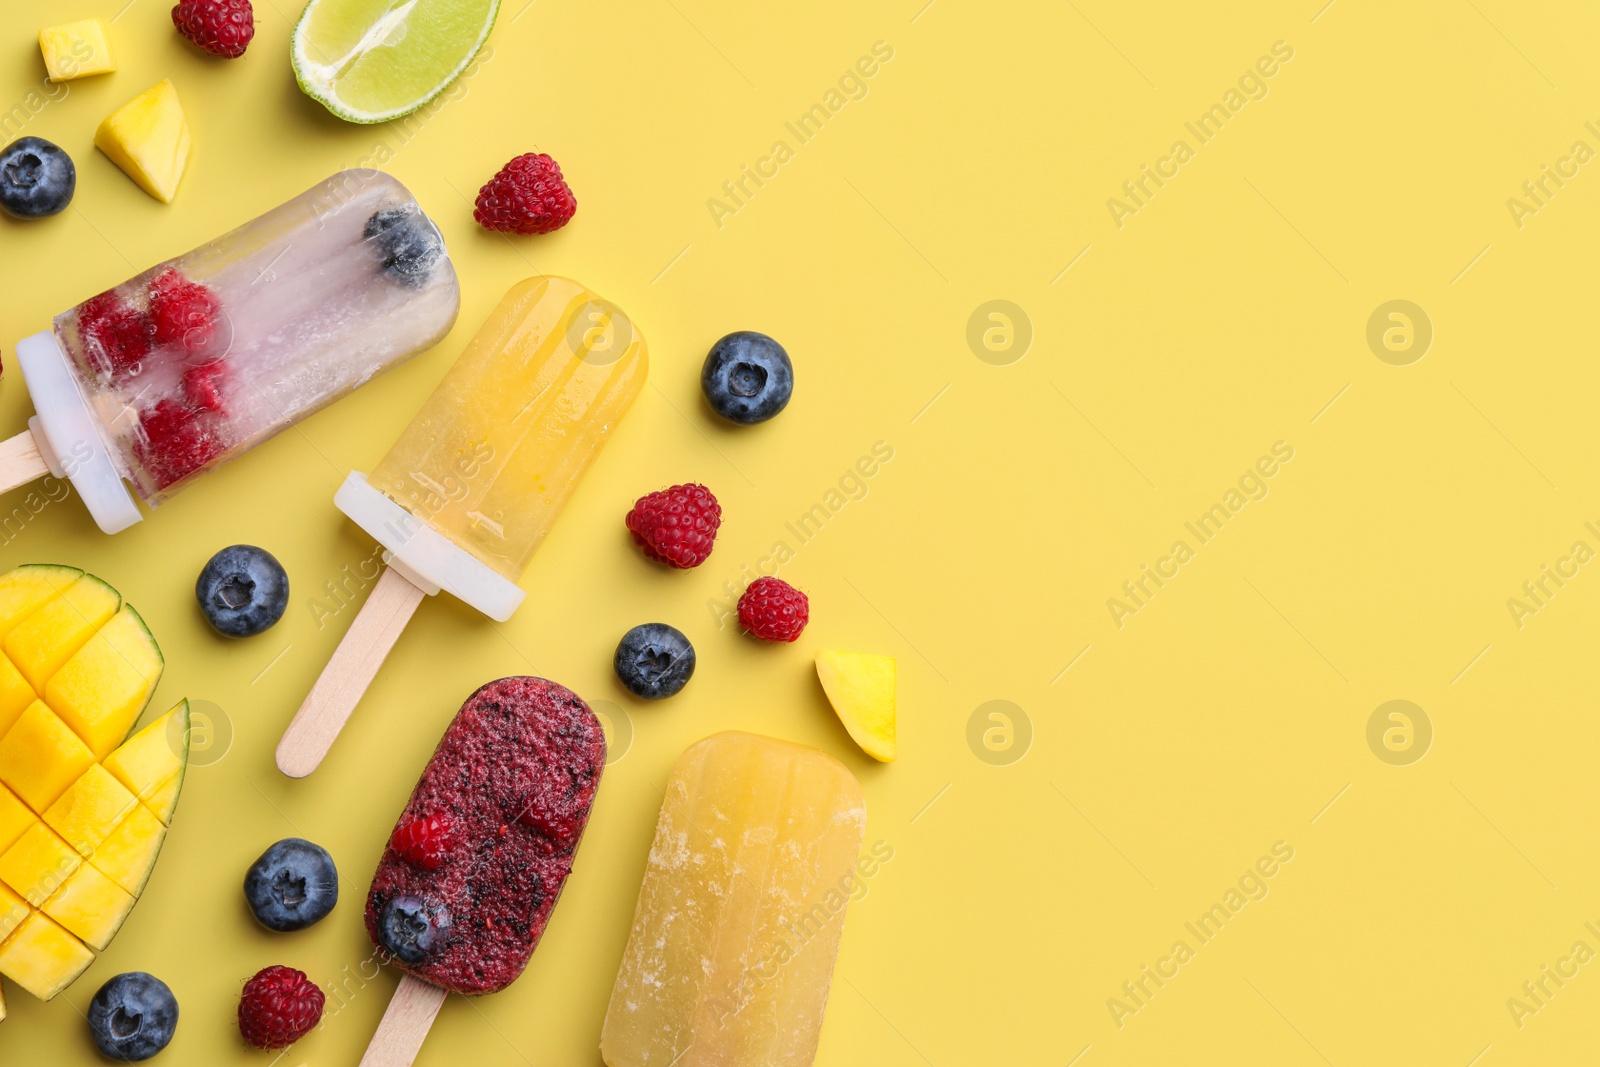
(478, 857)
(738, 922)
(468, 492)
(205, 356)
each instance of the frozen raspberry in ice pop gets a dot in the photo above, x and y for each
(200, 358)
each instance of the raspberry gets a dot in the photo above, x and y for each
(424, 841)
(184, 312)
(676, 526)
(774, 610)
(527, 196)
(279, 1006)
(202, 385)
(115, 335)
(175, 442)
(221, 27)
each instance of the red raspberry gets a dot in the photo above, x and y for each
(676, 526)
(527, 196)
(279, 1006)
(176, 441)
(202, 385)
(221, 27)
(115, 335)
(425, 841)
(774, 610)
(184, 312)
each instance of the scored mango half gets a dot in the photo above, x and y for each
(84, 809)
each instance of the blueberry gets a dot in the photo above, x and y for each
(747, 377)
(292, 886)
(36, 179)
(408, 244)
(243, 591)
(654, 660)
(133, 1017)
(411, 931)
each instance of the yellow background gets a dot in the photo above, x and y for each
(1229, 313)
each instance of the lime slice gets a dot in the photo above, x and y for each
(375, 60)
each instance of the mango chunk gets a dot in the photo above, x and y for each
(90, 906)
(28, 587)
(15, 818)
(76, 50)
(861, 688)
(37, 864)
(48, 637)
(149, 139)
(15, 694)
(151, 764)
(43, 958)
(13, 909)
(89, 810)
(40, 756)
(101, 690)
(129, 855)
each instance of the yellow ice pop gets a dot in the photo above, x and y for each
(494, 454)
(468, 492)
(738, 922)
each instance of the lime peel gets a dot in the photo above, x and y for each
(393, 58)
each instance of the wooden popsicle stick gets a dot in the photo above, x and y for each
(405, 1024)
(345, 679)
(20, 461)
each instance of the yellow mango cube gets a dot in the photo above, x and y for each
(37, 864)
(43, 958)
(76, 50)
(15, 818)
(40, 756)
(90, 906)
(13, 909)
(149, 139)
(28, 587)
(41, 643)
(152, 762)
(89, 810)
(129, 855)
(861, 688)
(15, 694)
(101, 690)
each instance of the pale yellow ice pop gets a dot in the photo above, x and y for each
(472, 486)
(494, 454)
(738, 922)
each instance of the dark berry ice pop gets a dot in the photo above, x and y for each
(486, 842)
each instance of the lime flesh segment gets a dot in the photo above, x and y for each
(375, 60)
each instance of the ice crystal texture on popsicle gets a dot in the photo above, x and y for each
(738, 922)
(207, 355)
